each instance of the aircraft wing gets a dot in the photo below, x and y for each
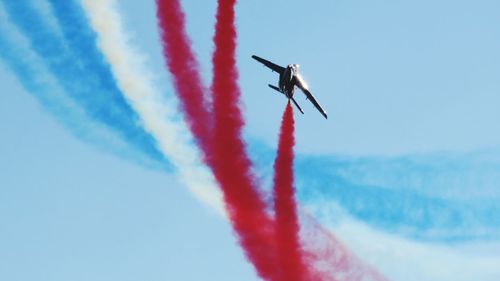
(272, 66)
(302, 85)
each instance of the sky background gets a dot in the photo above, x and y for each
(396, 78)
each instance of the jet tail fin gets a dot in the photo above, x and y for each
(297, 105)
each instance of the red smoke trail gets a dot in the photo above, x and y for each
(231, 164)
(184, 67)
(287, 227)
(224, 151)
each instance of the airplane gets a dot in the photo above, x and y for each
(289, 78)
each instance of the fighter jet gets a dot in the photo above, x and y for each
(289, 78)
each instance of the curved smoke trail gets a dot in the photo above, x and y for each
(80, 81)
(187, 81)
(231, 162)
(32, 73)
(253, 228)
(154, 110)
(417, 196)
(405, 198)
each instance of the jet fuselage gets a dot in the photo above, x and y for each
(288, 79)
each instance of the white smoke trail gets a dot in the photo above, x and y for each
(155, 111)
(402, 259)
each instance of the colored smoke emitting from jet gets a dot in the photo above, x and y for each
(267, 242)
(289, 249)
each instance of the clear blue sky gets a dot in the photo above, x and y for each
(396, 77)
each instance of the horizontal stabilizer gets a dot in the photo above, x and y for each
(275, 88)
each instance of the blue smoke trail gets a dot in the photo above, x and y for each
(31, 74)
(87, 83)
(465, 177)
(82, 43)
(21, 62)
(410, 196)
(402, 209)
